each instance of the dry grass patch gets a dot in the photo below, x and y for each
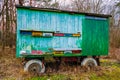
(11, 69)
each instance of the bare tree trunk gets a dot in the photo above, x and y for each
(21, 2)
(30, 2)
(7, 25)
(4, 27)
(3, 30)
(10, 23)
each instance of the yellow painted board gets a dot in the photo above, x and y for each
(58, 52)
(37, 33)
(76, 35)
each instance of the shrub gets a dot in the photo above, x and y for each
(115, 37)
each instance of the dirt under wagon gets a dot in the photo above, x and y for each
(62, 35)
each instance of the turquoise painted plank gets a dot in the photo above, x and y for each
(47, 21)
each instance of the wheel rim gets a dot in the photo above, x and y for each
(34, 68)
(90, 64)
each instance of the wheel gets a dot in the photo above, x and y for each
(89, 62)
(34, 67)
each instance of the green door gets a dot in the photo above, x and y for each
(95, 36)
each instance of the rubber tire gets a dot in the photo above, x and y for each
(86, 60)
(27, 65)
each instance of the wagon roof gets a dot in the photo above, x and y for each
(64, 11)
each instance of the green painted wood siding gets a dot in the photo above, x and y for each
(47, 21)
(95, 38)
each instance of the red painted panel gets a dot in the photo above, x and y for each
(76, 51)
(36, 52)
(58, 34)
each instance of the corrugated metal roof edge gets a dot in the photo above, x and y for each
(64, 11)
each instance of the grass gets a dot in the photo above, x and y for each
(12, 69)
(109, 70)
(52, 77)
